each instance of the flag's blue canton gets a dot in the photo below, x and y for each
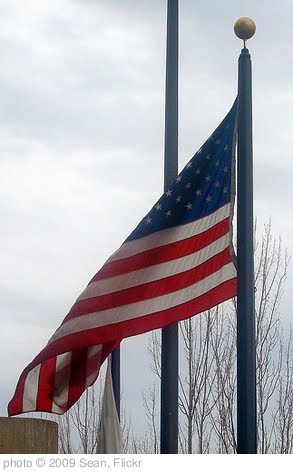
(203, 186)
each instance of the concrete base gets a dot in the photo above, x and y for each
(28, 436)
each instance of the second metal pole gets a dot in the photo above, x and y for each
(169, 366)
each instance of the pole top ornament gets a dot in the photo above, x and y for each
(244, 28)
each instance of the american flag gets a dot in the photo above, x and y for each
(177, 262)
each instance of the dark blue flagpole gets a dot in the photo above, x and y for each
(246, 349)
(115, 371)
(169, 367)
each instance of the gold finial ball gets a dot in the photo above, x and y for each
(244, 28)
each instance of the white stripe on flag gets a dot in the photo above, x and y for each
(170, 235)
(157, 272)
(94, 351)
(61, 388)
(30, 391)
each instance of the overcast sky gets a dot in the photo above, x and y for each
(82, 137)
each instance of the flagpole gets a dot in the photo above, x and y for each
(169, 359)
(246, 349)
(115, 370)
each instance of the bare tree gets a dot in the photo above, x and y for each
(195, 391)
(283, 417)
(149, 442)
(223, 411)
(78, 427)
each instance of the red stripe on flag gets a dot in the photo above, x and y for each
(163, 253)
(15, 406)
(45, 388)
(77, 375)
(178, 313)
